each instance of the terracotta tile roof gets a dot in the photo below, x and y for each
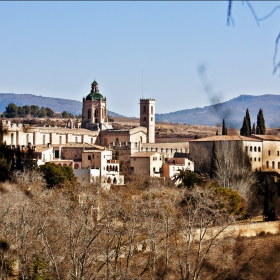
(80, 145)
(225, 138)
(42, 148)
(266, 137)
(144, 154)
(183, 145)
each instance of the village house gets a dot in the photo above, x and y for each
(174, 165)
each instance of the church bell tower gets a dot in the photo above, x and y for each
(147, 117)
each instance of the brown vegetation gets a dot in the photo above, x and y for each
(145, 230)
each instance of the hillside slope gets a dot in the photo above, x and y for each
(233, 111)
(57, 104)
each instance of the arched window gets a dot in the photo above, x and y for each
(76, 166)
(89, 114)
(107, 168)
(115, 180)
(12, 139)
(141, 139)
(117, 168)
(251, 148)
(259, 149)
(109, 180)
(60, 140)
(255, 149)
(152, 109)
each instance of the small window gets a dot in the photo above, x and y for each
(251, 148)
(144, 119)
(259, 149)
(154, 158)
(152, 118)
(255, 149)
(152, 109)
(269, 152)
(273, 165)
(154, 169)
(255, 159)
(278, 153)
(278, 165)
(267, 164)
(89, 157)
(259, 159)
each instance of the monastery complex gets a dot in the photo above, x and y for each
(90, 147)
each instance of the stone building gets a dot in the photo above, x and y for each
(147, 117)
(146, 164)
(94, 114)
(174, 165)
(263, 151)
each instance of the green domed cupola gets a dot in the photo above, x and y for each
(94, 94)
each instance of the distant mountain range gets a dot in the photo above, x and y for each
(57, 104)
(233, 111)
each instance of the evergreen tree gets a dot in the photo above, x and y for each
(245, 129)
(254, 129)
(249, 121)
(224, 130)
(260, 123)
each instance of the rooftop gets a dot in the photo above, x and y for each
(144, 154)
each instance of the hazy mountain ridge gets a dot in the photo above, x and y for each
(233, 111)
(57, 104)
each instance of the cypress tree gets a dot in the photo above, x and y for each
(260, 123)
(254, 129)
(245, 129)
(249, 121)
(224, 130)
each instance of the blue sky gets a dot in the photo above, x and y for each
(56, 49)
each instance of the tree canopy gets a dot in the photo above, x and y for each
(13, 111)
(56, 175)
(260, 123)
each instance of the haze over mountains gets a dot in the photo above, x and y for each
(233, 111)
